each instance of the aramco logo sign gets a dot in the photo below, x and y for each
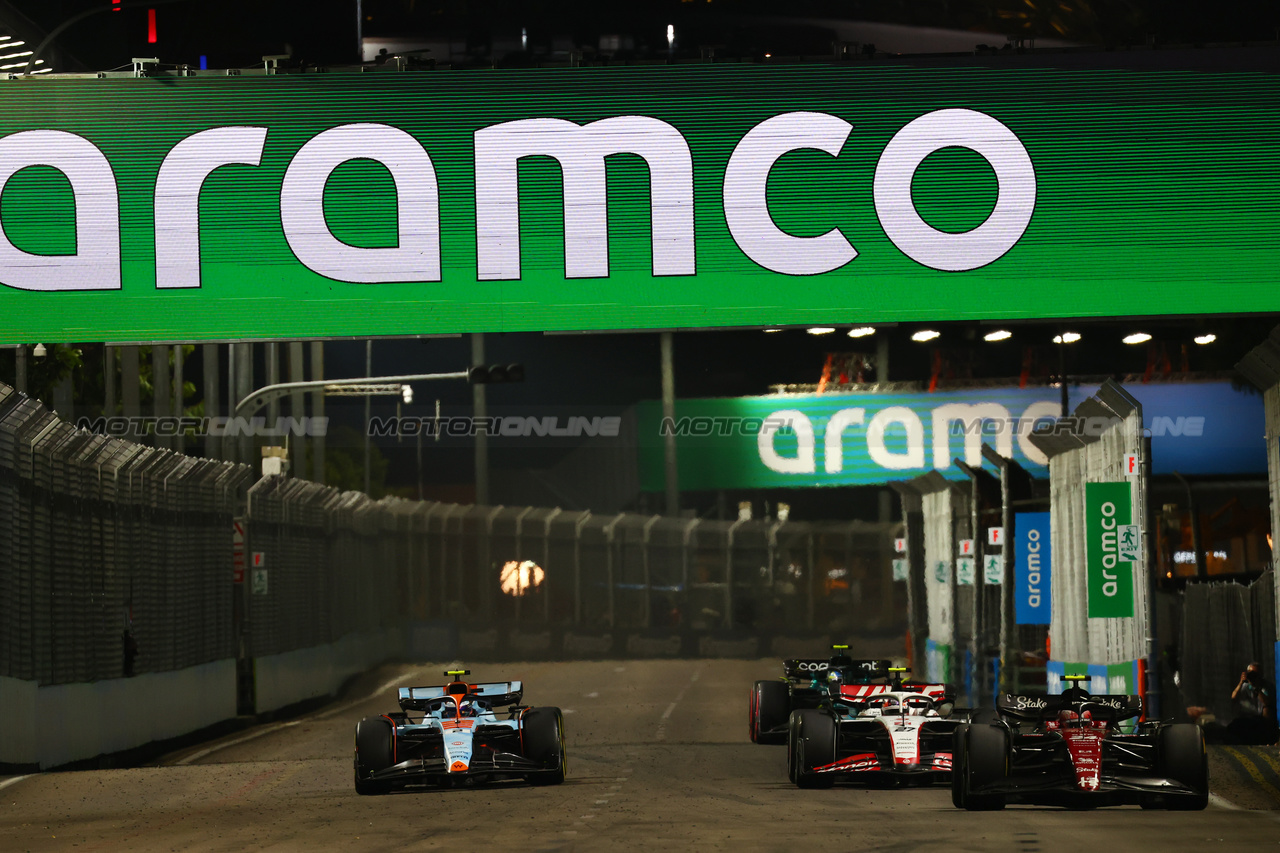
(580, 150)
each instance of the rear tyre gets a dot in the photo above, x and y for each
(375, 751)
(958, 749)
(770, 704)
(816, 747)
(542, 730)
(986, 758)
(1182, 757)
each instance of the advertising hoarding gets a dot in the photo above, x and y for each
(1032, 569)
(1108, 506)
(839, 439)
(322, 205)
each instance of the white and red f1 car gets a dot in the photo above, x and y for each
(877, 733)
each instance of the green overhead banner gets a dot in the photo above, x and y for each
(211, 207)
(1108, 509)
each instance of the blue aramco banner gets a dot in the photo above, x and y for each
(1032, 568)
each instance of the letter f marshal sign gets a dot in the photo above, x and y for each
(1108, 507)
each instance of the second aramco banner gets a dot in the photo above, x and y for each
(805, 440)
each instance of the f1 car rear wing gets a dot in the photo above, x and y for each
(858, 693)
(805, 668)
(1113, 707)
(497, 693)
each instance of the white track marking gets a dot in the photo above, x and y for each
(387, 685)
(196, 756)
(1223, 802)
(379, 689)
(661, 733)
(15, 780)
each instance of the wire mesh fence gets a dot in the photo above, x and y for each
(122, 559)
(1225, 627)
(116, 556)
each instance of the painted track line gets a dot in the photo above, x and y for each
(1223, 802)
(1252, 769)
(204, 753)
(661, 733)
(196, 756)
(15, 780)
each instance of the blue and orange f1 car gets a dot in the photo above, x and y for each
(453, 735)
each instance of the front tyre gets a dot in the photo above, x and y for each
(986, 758)
(1182, 757)
(375, 750)
(816, 748)
(542, 732)
(793, 743)
(959, 746)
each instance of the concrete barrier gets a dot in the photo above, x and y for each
(587, 645)
(653, 647)
(63, 723)
(287, 679)
(722, 647)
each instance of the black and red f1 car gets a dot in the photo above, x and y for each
(1071, 750)
(452, 735)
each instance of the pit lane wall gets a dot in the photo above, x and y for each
(1111, 649)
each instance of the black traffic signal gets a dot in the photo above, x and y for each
(490, 374)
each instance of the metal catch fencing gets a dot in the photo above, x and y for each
(1225, 627)
(115, 556)
(121, 559)
(548, 567)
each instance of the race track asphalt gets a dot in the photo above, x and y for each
(659, 760)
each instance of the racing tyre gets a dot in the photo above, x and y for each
(542, 730)
(793, 743)
(986, 761)
(985, 717)
(1181, 756)
(375, 751)
(770, 704)
(958, 750)
(816, 747)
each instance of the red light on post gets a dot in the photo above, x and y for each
(115, 5)
(151, 26)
